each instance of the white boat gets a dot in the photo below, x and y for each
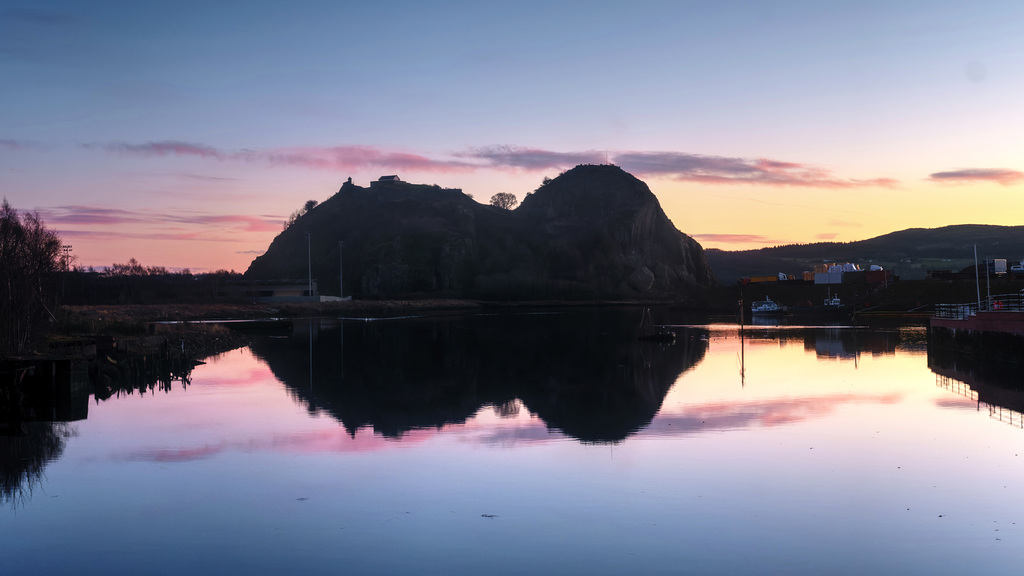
(764, 307)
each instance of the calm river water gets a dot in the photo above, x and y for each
(532, 443)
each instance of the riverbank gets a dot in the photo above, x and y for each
(139, 314)
(76, 327)
(191, 329)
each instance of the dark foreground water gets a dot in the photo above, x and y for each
(532, 444)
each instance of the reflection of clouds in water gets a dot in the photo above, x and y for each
(693, 420)
(174, 454)
(531, 433)
(335, 440)
(706, 417)
(963, 403)
(732, 416)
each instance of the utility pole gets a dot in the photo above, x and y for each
(341, 272)
(67, 258)
(977, 282)
(988, 286)
(309, 262)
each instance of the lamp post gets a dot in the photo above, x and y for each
(341, 271)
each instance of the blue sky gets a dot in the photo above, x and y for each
(183, 134)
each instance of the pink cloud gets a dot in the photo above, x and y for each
(1000, 175)
(80, 215)
(122, 235)
(773, 164)
(724, 170)
(125, 234)
(247, 222)
(531, 158)
(204, 178)
(675, 165)
(164, 148)
(336, 158)
(733, 238)
(356, 157)
(90, 216)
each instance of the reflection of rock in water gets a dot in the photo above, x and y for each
(582, 372)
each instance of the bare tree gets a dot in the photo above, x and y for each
(30, 258)
(134, 268)
(504, 200)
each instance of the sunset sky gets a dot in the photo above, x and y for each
(183, 134)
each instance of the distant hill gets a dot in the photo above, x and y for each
(910, 253)
(594, 232)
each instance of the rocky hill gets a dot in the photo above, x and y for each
(594, 232)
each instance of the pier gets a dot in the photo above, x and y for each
(991, 329)
(1002, 313)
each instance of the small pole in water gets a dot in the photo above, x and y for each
(742, 311)
(743, 363)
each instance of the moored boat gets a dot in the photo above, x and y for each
(764, 307)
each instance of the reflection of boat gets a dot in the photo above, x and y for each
(653, 333)
(764, 307)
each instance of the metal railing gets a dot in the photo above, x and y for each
(994, 303)
(1000, 413)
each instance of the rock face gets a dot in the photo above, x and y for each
(595, 232)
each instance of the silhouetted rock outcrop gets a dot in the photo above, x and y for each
(594, 232)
